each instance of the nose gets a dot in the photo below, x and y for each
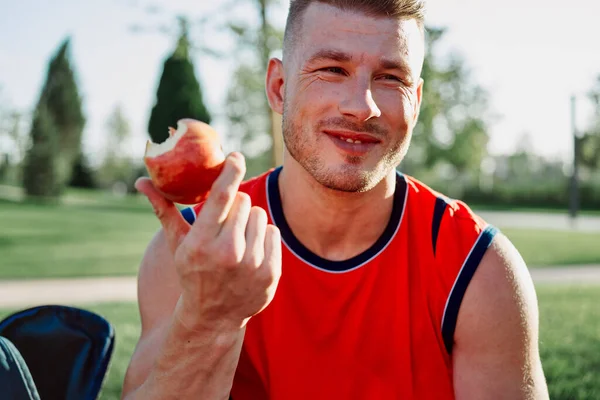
(359, 103)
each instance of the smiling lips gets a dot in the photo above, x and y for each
(352, 143)
(353, 137)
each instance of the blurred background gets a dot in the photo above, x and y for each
(510, 123)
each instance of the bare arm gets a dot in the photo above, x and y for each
(198, 286)
(496, 353)
(159, 352)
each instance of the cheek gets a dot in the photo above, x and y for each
(313, 101)
(398, 107)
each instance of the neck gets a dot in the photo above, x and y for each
(332, 224)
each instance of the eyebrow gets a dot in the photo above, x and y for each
(341, 56)
(330, 54)
(386, 63)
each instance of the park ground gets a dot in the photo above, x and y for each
(95, 236)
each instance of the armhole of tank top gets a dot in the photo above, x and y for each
(189, 214)
(438, 212)
(463, 278)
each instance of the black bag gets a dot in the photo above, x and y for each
(66, 349)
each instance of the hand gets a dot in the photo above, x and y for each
(229, 260)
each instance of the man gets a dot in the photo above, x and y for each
(334, 276)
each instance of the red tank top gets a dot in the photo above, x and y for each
(377, 326)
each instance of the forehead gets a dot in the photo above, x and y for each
(364, 37)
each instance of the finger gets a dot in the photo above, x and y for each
(255, 237)
(232, 236)
(173, 223)
(220, 199)
(272, 261)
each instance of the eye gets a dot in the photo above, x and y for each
(334, 70)
(391, 77)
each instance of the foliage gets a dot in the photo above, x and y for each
(248, 112)
(249, 123)
(452, 129)
(83, 175)
(179, 94)
(589, 143)
(57, 128)
(117, 166)
(40, 177)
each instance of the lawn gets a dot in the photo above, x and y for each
(555, 248)
(550, 210)
(60, 241)
(97, 235)
(569, 340)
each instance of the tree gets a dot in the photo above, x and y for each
(39, 172)
(454, 117)
(58, 112)
(589, 143)
(248, 111)
(117, 165)
(83, 175)
(179, 94)
(13, 139)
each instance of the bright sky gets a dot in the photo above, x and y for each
(530, 55)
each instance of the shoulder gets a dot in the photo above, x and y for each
(497, 331)
(457, 239)
(453, 226)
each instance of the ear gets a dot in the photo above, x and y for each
(275, 85)
(418, 102)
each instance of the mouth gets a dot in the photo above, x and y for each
(352, 137)
(352, 143)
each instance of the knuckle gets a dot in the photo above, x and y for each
(259, 214)
(160, 212)
(273, 231)
(244, 199)
(184, 258)
(252, 259)
(228, 254)
(269, 276)
(222, 195)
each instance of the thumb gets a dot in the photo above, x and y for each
(173, 223)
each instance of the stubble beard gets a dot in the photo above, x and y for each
(350, 177)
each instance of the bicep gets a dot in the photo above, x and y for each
(496, 354)
(158, 293)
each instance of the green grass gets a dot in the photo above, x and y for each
(96, 234)
(569, 341)
(66, 241)
(555, 248)
(545, 210)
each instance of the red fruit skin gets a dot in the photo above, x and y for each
(186, 173)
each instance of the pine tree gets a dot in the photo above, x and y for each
(39, 170)
(59, 113)
(179, 94)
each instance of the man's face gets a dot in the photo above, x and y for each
(352, 92)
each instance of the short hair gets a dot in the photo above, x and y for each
(401, 9)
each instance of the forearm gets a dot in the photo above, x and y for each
(198, 362)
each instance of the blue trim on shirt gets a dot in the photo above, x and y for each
(334, 266)
(462, 282)
(189, 215)
(438, 213)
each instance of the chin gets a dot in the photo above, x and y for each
(347, 178)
